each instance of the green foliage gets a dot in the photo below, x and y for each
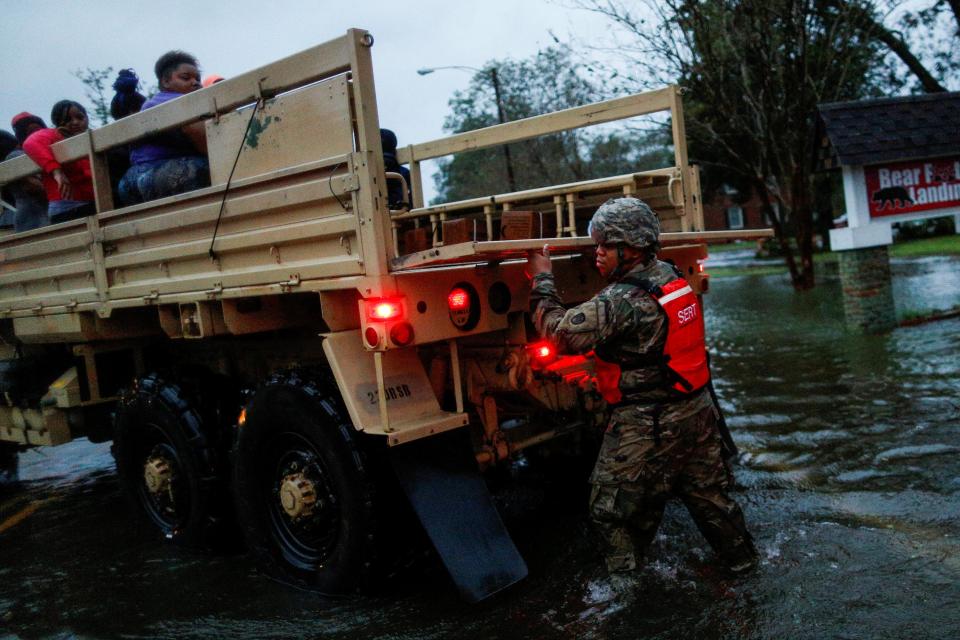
(756, 271)
(548, 81)
(96, 83)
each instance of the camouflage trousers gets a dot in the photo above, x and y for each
(634, 477)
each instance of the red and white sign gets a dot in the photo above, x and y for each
(911, 187)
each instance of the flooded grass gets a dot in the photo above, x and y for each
(940, 246)
(745, 261)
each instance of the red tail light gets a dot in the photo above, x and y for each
(542, 352)
(401, 334)
(384, 309)
(458, 299)
(463, 303)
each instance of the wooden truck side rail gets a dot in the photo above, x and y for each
(674, 192)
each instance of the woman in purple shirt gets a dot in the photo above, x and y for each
(173, 161)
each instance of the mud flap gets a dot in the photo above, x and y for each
(439, 474)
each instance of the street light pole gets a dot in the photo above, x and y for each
(501, 115)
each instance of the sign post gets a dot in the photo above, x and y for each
(876, 196)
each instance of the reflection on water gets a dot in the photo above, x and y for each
(850, 454)
(849, 476)
(926, 283)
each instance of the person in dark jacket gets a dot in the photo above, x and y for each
(396, 197)
(8, 142)
(127, 99)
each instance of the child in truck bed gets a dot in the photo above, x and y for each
(28, 193)
(173, 161)
(69, 187)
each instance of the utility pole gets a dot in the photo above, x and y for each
(495, 79)
(501, 114)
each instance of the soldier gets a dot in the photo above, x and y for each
(646, 331)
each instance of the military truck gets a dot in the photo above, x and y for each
(284, 355)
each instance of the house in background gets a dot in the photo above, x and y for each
(727, 209)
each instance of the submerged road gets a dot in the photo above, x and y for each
(849, 477)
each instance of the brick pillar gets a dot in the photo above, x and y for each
(867, 293)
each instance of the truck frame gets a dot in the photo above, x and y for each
(281, 351)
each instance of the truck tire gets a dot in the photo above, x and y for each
(304, 495)
(166, 465)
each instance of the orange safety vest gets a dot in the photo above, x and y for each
(684, 357)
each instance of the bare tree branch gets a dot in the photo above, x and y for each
(861, 15)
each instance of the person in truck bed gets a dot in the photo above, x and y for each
(175, 161)
(126, 101)
(28, 193)
(25, 123)
(662, 438)
(69, 187)
(397, 195)
(8, 142)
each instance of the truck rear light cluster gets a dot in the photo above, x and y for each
(463, 303)
(386, 318)
(542, 352)
(458, 300)
(401, 334)
(384, 309)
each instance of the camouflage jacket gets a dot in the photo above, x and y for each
(627, 320)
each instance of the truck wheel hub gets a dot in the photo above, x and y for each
(157, 474)
(298, 497)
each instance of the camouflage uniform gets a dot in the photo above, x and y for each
(643, 460)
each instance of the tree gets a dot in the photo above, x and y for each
(753, 73)
(546, 82)
(924, 40)
(95, 86)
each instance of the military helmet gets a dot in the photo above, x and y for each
(626, 221)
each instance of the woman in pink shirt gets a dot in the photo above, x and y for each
(69, 187)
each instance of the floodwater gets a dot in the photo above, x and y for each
(849, 477)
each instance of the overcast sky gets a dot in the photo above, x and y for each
(44, 40)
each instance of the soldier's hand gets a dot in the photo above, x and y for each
(539, 262)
